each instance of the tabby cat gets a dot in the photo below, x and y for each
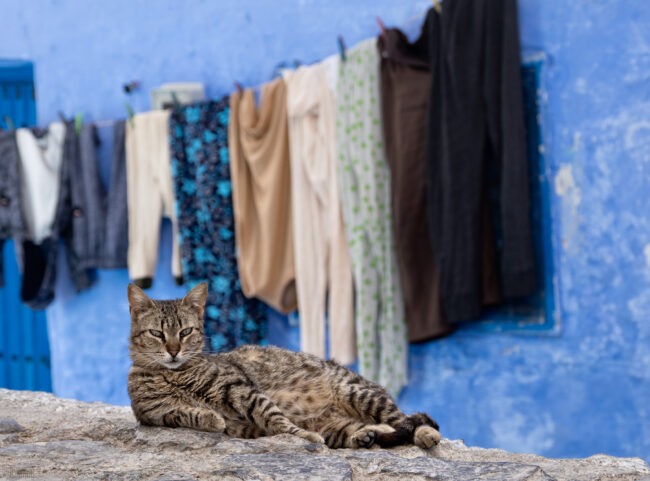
(253, 391)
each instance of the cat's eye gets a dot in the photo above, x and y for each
(186, 331)
(157, 333)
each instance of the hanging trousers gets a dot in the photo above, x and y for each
(116, 231)
(405, 85)
(201, 174)
(12, 225)
(261, 188)
(150, 194)
(364, 178)
(322, 257)
(477, 149)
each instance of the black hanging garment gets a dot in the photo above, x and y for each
(477, 152)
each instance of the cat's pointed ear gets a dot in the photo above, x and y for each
(196, 298)
(138, 300)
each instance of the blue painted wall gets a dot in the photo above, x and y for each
(582, 391)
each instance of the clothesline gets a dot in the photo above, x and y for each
(348, 165)
(403, 26)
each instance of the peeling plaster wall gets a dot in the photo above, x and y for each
(584, 391)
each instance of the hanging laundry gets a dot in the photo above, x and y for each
(41, 161)
(150, 194)
(79, 221)
(116, 230)
(12, 225)
(41, 155)
(261, 188)
(405, 86)
(366, 198)
(477, 146)
(322, 257)
(201, 173)
(82, 211)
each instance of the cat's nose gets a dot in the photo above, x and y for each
(173, 353)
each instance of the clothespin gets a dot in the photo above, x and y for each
(239, 88)
(382, 28)
(129, 110)
(10, 123)
(131, 86)
(175, 102)
(342, 48)
(437, 5)
(78, 122)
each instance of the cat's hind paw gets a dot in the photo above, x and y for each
(426, 437)
(311, 436)
(365, 437)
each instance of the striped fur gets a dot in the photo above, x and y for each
(254, 391)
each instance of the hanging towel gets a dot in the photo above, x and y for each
(322, 258)
(366, 198)
(201, 173)
(12, 225)
(41, 154)
(150, 194)
(477, 146)
(116, 230)
(405, 85)
(261, 188)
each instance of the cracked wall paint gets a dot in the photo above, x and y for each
(578, 393)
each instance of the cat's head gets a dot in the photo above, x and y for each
(166, 333)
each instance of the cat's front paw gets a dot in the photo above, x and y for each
(426, 437)
(311, 436)
(217, 424)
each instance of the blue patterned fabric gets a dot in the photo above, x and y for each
(201, 175)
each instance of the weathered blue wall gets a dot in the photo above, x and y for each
(583, 391)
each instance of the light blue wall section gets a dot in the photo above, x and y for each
(584, 391)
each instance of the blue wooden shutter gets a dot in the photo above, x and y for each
(24, 346)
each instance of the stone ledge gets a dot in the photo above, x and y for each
(45, 438)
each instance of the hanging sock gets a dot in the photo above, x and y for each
(261, 187)
(477, 156)
(11, 217)
(322, 257)
(150, 194)
(201, 179)
(366, 199)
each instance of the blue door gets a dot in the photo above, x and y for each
(24, 347)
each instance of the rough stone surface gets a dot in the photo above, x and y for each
(63, 439)
(10, 426)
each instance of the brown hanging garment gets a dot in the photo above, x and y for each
(258, 144)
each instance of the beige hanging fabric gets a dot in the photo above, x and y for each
(321, 251)
(260, 171)
(150, 194)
